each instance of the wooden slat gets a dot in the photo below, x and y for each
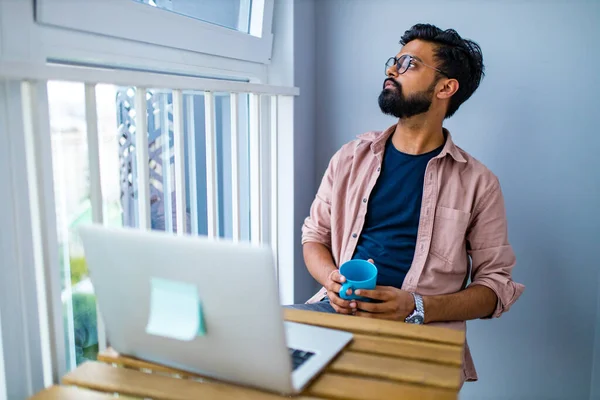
(69, 393)
(105, 378)
(390, 359)
(112, 357)
(377, 327)
(402, 369)
(406, 348)
(397, 369)
(353, 388)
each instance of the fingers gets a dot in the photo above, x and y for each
(334, 287)
(377, 294)
(371, 261)
(335, 282)
(337, 277)
(341, 310)
(373, 307)
(334, 299)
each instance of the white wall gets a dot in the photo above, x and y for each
(533, 122)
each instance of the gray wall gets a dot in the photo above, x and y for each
(294, 44)
(2, 374)
(531, 122)
(305, 131)
(595, 390)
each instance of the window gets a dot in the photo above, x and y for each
(233, 14)
(116, 129)
(54, 184)
(238, 29)
(72, 198)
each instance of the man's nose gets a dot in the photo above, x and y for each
(391, 72)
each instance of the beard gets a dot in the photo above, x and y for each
(393, 102)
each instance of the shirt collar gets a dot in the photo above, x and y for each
(378, 140)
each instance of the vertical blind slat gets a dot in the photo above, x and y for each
(274, 188)
(178, 143)
(192, 160)
(141, 152)
(235, 169)
(255, 167)
(96, 198)
(211, 164)
(166, 161)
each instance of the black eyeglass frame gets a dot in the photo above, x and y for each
(411, 59)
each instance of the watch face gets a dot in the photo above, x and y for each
(416, 319)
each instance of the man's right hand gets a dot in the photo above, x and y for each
(333, 285)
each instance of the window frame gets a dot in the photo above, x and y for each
(31, 329)
(36, 350)
(115, 19)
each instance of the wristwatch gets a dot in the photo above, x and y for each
(418, 315)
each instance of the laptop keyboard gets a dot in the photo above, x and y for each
(299, 357)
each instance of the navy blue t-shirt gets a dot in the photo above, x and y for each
(389, 235)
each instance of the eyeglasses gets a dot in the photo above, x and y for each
(404, 62)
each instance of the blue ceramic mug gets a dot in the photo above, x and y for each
(359, 274)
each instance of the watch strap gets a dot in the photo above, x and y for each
(418, 314)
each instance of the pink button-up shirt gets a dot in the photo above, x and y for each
(462, 217)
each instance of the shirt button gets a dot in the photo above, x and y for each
(354, 235)
(365, 200)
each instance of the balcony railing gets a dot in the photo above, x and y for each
(270, 160)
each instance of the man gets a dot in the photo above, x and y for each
(425, 212)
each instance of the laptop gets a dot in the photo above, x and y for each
(202, 305)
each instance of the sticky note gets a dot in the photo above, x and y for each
(175, 310)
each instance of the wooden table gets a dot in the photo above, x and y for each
(385, 360)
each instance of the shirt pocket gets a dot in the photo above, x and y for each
(449, 229)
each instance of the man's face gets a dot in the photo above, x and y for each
(411, 93)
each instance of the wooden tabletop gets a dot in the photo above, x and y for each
(385, 360)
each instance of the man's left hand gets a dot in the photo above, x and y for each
(395, 304)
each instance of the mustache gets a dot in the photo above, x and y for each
(396, 84)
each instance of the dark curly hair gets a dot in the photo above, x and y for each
(458, 58)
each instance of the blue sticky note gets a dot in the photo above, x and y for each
(175, 310)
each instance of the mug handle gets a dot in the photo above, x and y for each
(343, 290)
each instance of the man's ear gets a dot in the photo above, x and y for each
(450, 86)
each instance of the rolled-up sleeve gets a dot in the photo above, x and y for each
(492, 256)
(317, 226)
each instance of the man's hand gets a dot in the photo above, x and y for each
(333, 285)
(394, 303)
